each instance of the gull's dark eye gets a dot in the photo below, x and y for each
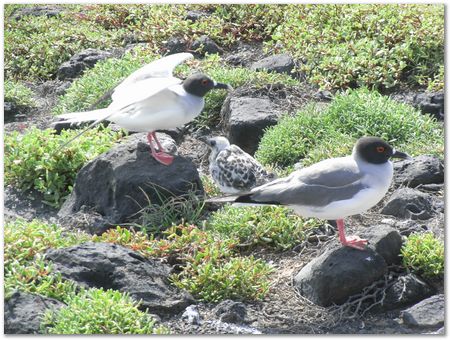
(213, 143)
(380, 149)
(205, 82)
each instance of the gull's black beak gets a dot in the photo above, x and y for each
(399, 154)
(223, 86)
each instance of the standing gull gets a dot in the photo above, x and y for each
(151, 99)
(334, 188)
(232, 169)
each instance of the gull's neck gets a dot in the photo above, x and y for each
(381, 173)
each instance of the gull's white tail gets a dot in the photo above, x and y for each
(86, 116)
(222, 199)
(81, 117)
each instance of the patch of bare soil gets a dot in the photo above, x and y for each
(41, 117)
(27, 205)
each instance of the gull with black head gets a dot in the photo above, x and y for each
(151, 99)
(334, 188)
(232, 169)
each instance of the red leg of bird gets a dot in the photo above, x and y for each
(160, 156)
(351, 241)
(160, 148)
(168, 159)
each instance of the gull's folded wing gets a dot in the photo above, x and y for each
(318, 185)
(135, 92)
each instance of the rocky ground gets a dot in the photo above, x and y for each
(414, 203)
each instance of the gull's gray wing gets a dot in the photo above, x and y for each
(335, 172)
(325, 182)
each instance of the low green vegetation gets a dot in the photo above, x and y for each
(18, 94)
(188, 243)
(156, 23)
(290, 140)
(380, 46)
(96, 311)
(371, 45)
(275, 227)
(211, 267)
(238, 278)
(36, 46)
(23, 240)
(135, 240)
(88, 311)
(37, 277)
(180, 243)
(333, 144)
(363, 112)
(424, 255)
(170, 210)
(312, 135)
(25, 269)
(31, 161)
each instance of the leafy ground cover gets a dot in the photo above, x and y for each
(18, 93)
(36, 46)
(31, 161)
(380, 46)
(214, 266)
(80, 27)
(275, 227)
(109, 312)
(424, 254)
(25, 269)
(211, 267)
(95, 311)
(312, 135)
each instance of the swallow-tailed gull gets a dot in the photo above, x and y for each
(334, 188)
(151, 99)
(232, 169)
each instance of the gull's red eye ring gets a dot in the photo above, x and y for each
(380, 149)
(205, 82)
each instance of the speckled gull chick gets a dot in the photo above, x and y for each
(151, 99)
(232, 169)
(334, 188)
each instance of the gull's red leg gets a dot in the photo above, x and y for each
(160, 156)
(160, 148)
(351, 241)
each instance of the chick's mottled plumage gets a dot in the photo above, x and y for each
(234, 170)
